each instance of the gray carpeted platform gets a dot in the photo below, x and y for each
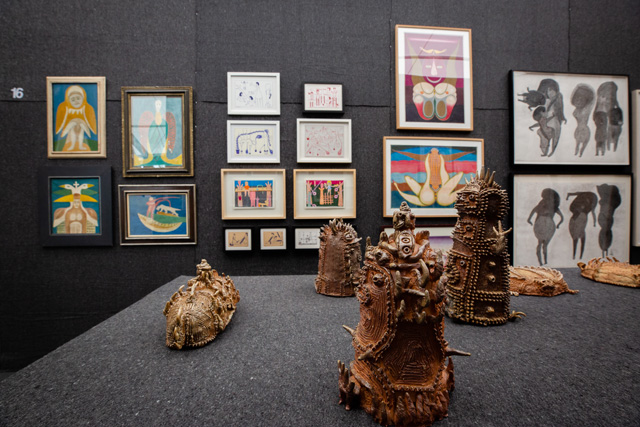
(574, 360)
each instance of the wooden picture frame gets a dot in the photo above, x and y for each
(569, 119)
(408, 172)
(252, 94)
(560, 220)
(157, 131)
(163, 214)
(253, 193)
(253, 141)
(75, 206)
(273, 239)
(323, 98)
(307, 237)
(324, 140)
(76, 117)
(324, 193)
(237, 239)
(434, 82)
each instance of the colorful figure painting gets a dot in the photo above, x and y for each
(75, 120)
(75, 206)
(253, 193)
(157, 214)
(156, 131)
(324, 194)
(434, 78)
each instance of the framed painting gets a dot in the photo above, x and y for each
(434, 84)
(253, 94)
(76, 117)
(253, 141)
(439, 237)
(237, 239)
(635, 97)
(253, 193)
(427, 173)
(324, 193)
(273, 239)
(560, 220)
(157, 131)
(307, 238)
(75, 206)
(158, 214)
(324, 140)
(570, 119)
(323, 98)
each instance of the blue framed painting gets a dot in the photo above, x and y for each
(75, 206)
(157, 214)
(427, 173)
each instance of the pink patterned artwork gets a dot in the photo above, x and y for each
(323, 140)
(323, 97)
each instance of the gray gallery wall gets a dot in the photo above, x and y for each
(50, 295)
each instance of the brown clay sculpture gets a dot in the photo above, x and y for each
(478, 263)
(538, 281)
(339, 259)
(196, 316)
(402, 373)
(610, 270)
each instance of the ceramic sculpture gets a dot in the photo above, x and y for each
(610, 270)
(339, 259)
(478, 263)
(538, 281)
(402, 373)
(198, 314)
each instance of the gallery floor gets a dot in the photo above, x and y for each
(574, 360)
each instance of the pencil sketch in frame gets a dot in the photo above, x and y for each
(570, 119)
(273, 239)
(253, 94)
(307, 238)
(253, 141)
(237, 239)
(324, 140)
(560, 220)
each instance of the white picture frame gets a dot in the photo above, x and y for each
(253, 141)
(323, 98)
(307, 238)
(324, 140)
(237, 239)
(253, 94)
(273, 239)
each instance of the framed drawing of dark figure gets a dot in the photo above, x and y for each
(568, 119)
(560, 220)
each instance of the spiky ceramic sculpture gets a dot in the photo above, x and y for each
(610, 270)
(538, 281)
(339, 259)
(478, 264)
(402, 373)
(196, 316)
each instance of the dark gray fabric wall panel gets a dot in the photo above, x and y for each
(53, 294)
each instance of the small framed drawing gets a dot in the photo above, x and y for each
(158, 214)
(255, 94)
(157, 131)
(273, 238)
(253, 193)
(76, 117)
(75, 206)
(570, 119)
(324, 140)
(434, 85)
(323, 98)
(307, 238)
(237, 239)
(324, 193)
(427, 173)
(566, 219)
(253, 141)
(439, 237)
(635, 97)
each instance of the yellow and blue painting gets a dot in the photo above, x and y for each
(156, 131)
(75, 121)
(75, 205)
(157, 214)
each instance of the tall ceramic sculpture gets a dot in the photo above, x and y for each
(478, 264)
(196, 316)
(402, 373)
(339, 259)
